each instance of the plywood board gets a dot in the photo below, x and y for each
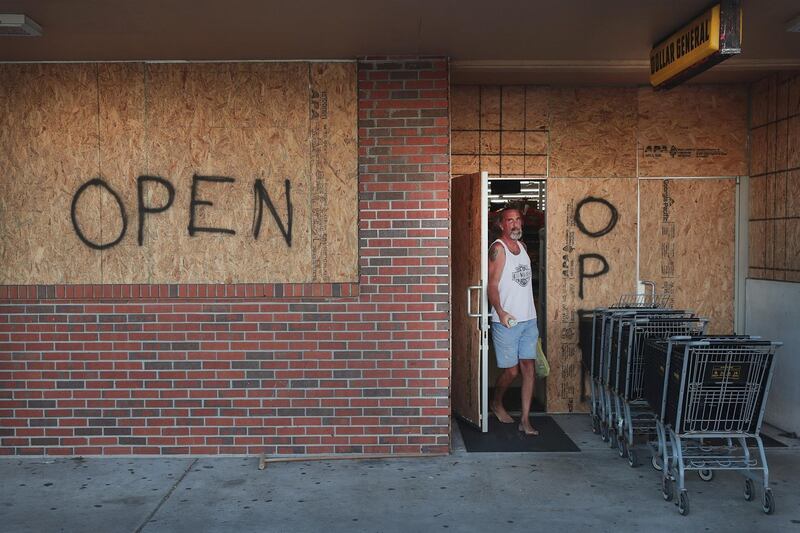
(759, 102)
(465, 142)
(793, 144)
(687, 244)
(461, 164)
(537, 107)
(465, 107)
(48, 140)
(490, 107)
(243, 122)
(758, 151)
(593, 132)
(334, 185)
(566, 243)
(693, 131)
(513, 108)
(793, 193)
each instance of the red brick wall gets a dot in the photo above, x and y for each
(243, 369)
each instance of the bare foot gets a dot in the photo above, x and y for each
(501, 414)
(526, 427)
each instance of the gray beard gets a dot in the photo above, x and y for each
(516, 234)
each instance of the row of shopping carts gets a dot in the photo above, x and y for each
(658, 380)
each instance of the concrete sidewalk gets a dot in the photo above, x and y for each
(592, 490)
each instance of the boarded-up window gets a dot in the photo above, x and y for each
(164, 173)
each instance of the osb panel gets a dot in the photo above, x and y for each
(793, 193)
(781, 145)
(465, 107)
(513, 108)
(779, 190)
(536, 142)
(537, 108)
(687, 244)
(122, 90)
(757, 240)
(759, 102)
(242, 121)
(490, 164)
(593, 132)
(566, 243)
(490, 142)
(779, 253)
(693, 131)
(490, 107)
(782, 98)
(513, 142)
(794, 143)
(769, 205)
(772, 148)
(769, 244)
(758, 197)
(536, 165)
(793, 244)
(512, 164)
(793, 106)
(48, 145)
(335, 174)
(278, 149)
(758, 151)
(461, 164)
(465, 142)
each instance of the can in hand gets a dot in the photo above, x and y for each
(512, 322)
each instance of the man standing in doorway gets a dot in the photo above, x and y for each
(514, 328)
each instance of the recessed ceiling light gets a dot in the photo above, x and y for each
(14, 25)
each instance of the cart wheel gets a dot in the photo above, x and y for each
(655, 462)
(595, 425)
(683, 503)
(666, 489)
(612, 438)
(622, 447)
(603, 432)
(749, 491)
(706, 474)
(632, 459)
(768, 505)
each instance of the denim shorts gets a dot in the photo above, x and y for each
(514, 343)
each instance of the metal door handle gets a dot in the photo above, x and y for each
(469, 301)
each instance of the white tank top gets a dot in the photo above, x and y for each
(516, 294)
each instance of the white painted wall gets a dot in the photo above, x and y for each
(773, 312)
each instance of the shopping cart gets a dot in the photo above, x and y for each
(713, 395)
(609, 363)
(636, 419)
(595, 334)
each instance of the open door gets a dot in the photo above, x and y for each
(469, 302)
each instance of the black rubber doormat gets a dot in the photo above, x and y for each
(507, 438)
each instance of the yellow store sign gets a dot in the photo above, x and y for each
(697, 46)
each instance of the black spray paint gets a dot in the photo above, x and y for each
(143, 209)
(261, 197)
(582, 258)
(97, 182)
(195, 202)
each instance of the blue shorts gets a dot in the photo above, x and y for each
(515, 343)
